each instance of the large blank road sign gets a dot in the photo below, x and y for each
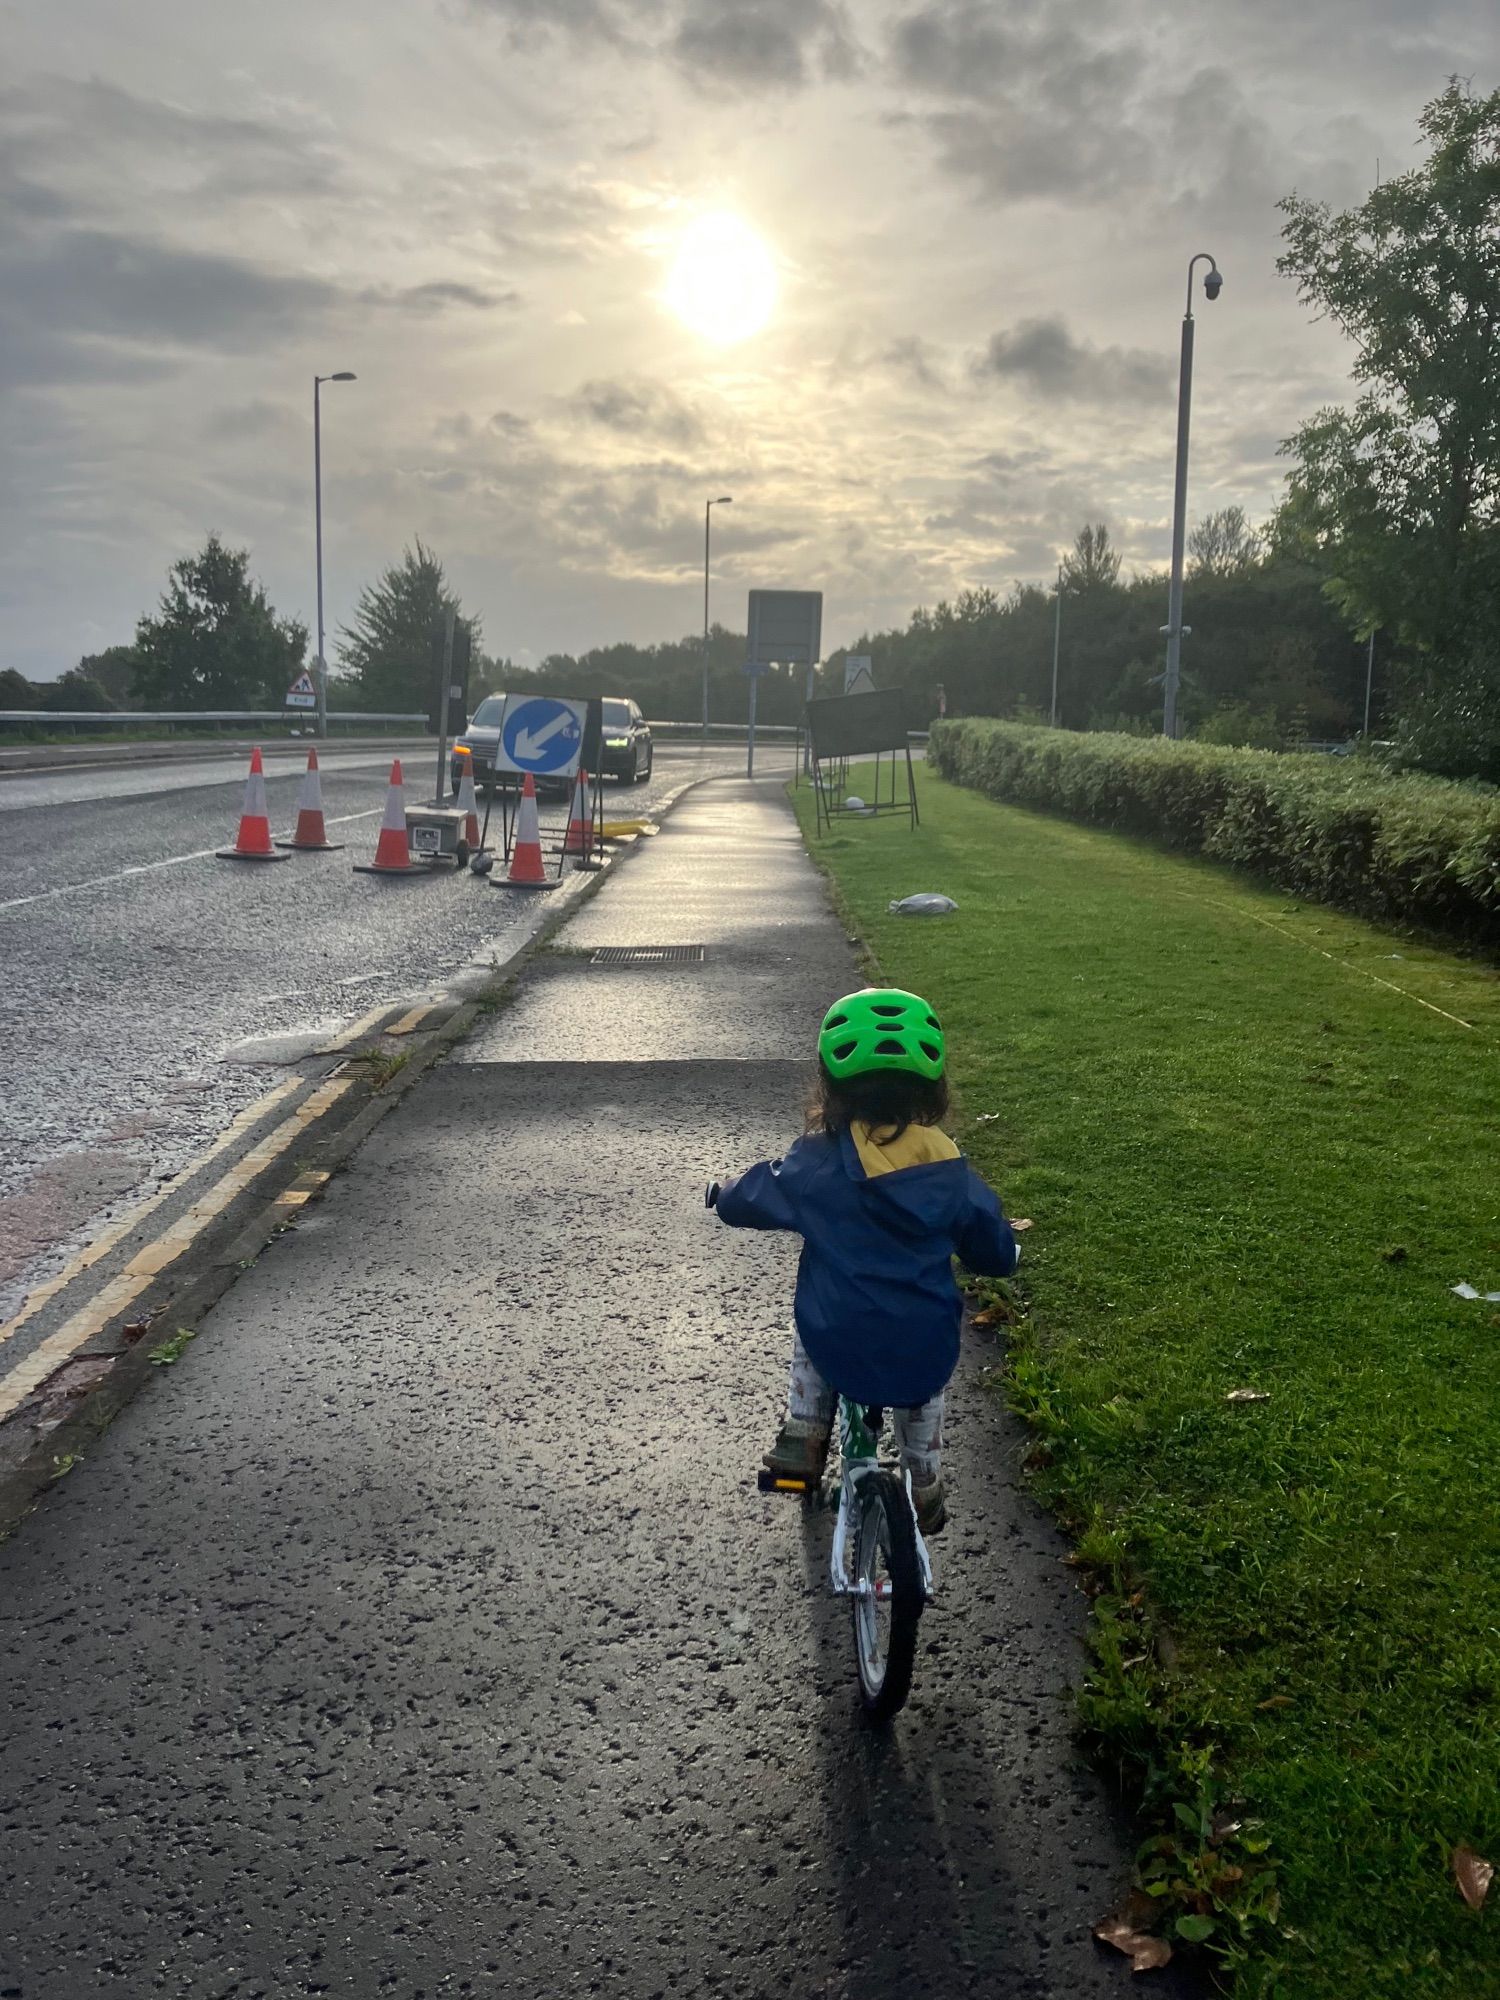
(786, 626)
(858, 725)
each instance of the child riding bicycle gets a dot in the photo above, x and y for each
(883, 1200)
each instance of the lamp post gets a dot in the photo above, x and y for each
(320, 666)
(724, 500)
(1213, 284)
(1369, 682)
(1056, 642)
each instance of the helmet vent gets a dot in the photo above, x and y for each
(932, 1054)
(890, 1048)
(844, 1050)
(890, 1013)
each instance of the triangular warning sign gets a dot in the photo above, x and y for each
(302, 685)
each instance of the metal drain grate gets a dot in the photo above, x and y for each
(648, 954)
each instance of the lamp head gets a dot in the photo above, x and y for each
(1213, 282)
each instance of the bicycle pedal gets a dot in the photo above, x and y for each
(779, 1482)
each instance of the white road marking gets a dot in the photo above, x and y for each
(147, 867)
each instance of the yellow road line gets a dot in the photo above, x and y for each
(352, 1033)
(155, 1257)
(92, 1252)
(409, 1021)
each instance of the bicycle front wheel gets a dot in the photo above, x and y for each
(888, 1597)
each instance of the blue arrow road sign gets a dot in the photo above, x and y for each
(542, 735)
(755, 668)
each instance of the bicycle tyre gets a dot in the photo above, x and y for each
(886, 1529)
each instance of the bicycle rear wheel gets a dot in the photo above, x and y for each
(890, 1595)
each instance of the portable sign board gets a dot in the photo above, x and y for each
(858, 725)
(786, 626)
(302, 693)
(541, 733)
(859, 674)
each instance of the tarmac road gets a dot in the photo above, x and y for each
(421, 1632)
(147, 984)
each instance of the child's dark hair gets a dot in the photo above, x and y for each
(887, 1100)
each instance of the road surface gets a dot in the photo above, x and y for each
(148, 984)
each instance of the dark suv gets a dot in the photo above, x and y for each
(626, 752)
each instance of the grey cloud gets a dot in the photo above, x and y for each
(641, 408)
(765, 44)
(442, 293)
(1039, 107)
(62, 123)
(916, 359)
(1044, 357)
(88, 281)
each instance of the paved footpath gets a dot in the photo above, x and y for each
(421, 1631)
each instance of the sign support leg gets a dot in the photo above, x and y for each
(750, 747)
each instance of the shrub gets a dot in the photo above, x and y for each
(1337, 830)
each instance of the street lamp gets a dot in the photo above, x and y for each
(1056, 642)
(320, 665)
(724, 500)
(1213, 284)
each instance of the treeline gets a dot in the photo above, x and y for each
(1270, 662)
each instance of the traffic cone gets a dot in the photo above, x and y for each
(469, 804)
(253, 841)
(526, 870)
(577, 839)
(392, 850)
(311, 834)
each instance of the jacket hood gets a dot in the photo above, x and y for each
(918, 1182)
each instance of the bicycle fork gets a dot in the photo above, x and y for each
(857, 1453)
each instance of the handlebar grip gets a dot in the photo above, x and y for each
(711, 1195)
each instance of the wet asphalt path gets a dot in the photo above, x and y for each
(137, 967)
(422, 1632)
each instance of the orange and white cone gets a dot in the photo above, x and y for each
(526, 869)
(311, 834)
(578, 839)
(253, 841)
(393, 849)
(468, 803)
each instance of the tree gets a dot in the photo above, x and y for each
(75, 690)
(1223, 544)
(115, 670)
(216, 642)
(386, 650)
(15, 690)
(1398, 497)
(1094, 564)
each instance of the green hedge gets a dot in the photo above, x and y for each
(1336, 830)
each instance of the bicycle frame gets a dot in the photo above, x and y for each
(857, 1455)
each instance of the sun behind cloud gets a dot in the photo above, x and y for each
(722, 280)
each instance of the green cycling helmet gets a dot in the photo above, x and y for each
(881, 1028)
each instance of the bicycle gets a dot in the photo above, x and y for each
(879, 1560)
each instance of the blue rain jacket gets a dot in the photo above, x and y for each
(877, 1304)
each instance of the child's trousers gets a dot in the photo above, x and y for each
(919, 1431)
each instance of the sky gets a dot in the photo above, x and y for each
(940, 250)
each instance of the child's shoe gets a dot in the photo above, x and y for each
(800, 1450)
(932, 1507)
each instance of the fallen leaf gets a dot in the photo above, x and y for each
(1276, 1701)
(1248, 1396)
(134, 1328)
(1122, 1929)
(1023, 1223)
(1473, 1874)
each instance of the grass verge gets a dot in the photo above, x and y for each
(1259, 1148)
